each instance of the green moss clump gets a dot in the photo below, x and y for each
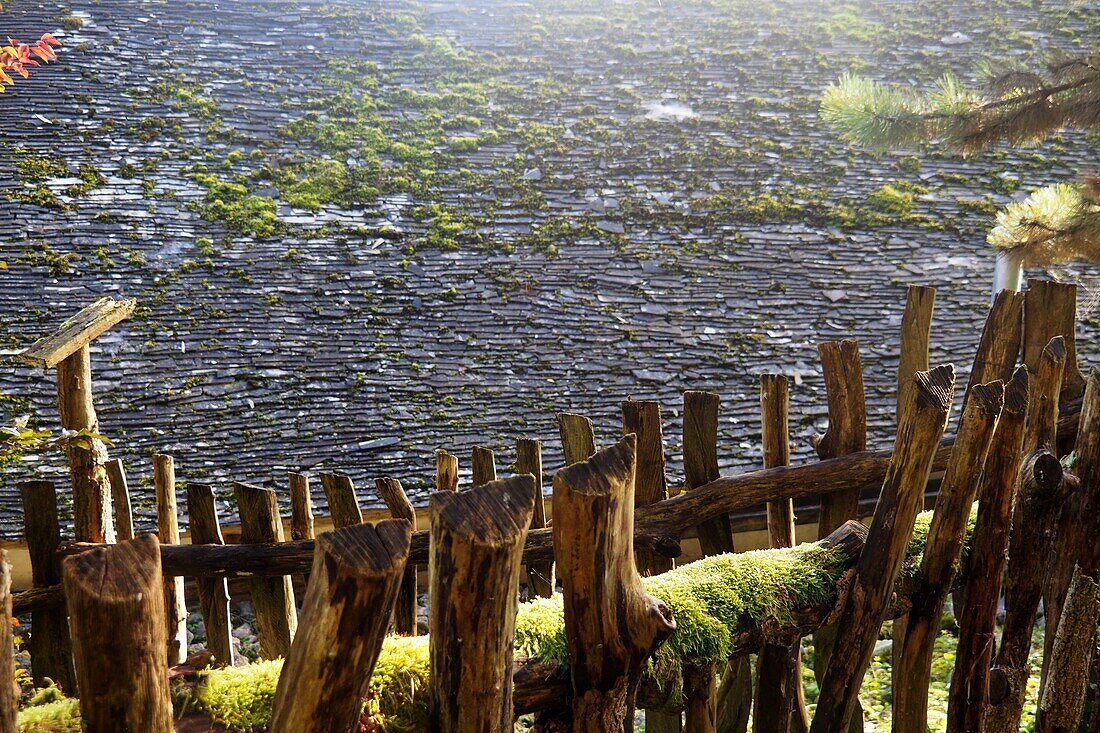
(72, 22)
(239, 698)
(41, 167)
(395, 695)
(890, 200)
(60, 716)
(232, 205)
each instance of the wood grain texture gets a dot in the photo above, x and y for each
(405, 608)
(301, 507)
(87, 456)
(847, 431)
(77, 332)
(120, 499)
(1050, 309)
(540, 575)
(9, 688)
(578, 439)
(916, 332)
(483, 466)
(446, 471)
(202, 513)
(343, 504)
(650, 484)
(168, 531)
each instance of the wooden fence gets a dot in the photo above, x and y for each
(107, 619)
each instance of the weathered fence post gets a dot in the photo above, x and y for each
(343, 504)
(213, 591)
(780, 706)
(847, 431)
(916, 330)
(301, 507)
(404, 611)
(67, 349)
(272, 598)
(578, 439)
(1036, 507)
(986, 562)
(483, 466)
(540, 576)
(1063, 698)
(50, 646)
(446, 471)
(120, 497)
(115, 597)
(1050, 309)
(700, 698)
(476, 553)
(9, 688)
(612, 625)
(921, 423)
(999, 345)
(353, 585)
(941, 551)
(168, 531)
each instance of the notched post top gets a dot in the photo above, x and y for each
(490, 514)
(92, 569)
(936, 387)
(989, 398)
(1016, 392)
(366, 550)
(603, 471)
(78, 331)
(1055, 350)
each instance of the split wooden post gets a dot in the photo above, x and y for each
(578, 439)
(483, 466)
(920, 426)
(67, 350)
(700, 698)
(780, 705)
(120, 498)
(115, 597)
(937, 569)
(9, 688)
(50, 645)
(404, 611)
(1062, 700)
(916, 330)
(1050, 309)
(446, 471)
(272, 597)
(1036, 507)
(202, 513)
(343, 504)
(476, 553)
(986, 562)
(301, 507)
(540, 575)
(612, 625)
(168, 531)
(999, 345)
(650, 485)
(355, 579)
(847, 431)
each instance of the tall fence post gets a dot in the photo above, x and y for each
(168, 530)
(540, 575)
(272, 598)
(213, 591)
(301, 507)
(612, 625)
(476, 552)
(578, 439)
(404, 611)
(483, 466)
(50, 645)
(446, 471)
(9, 688)
(120, 498)
(1050, 309)
(353, 585)
(343, 504)
(115, 597)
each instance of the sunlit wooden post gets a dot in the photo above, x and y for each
(67, 349)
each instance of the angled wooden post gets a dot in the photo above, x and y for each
(343, 504)
(67, 350)
(476, 553)
(847, 431)
(1062, 700)
(578, 439)
(272, 597)
(612, 625)
(404, 611)
(213, 591)
(168, 531)
(999, 345)
(446, 471)
(50, 646)
(353, 585)
(483, 466)
(540, 575)
(120, 497)
(920, 426)
(916, 330)
(1050, 309)
(115, 597)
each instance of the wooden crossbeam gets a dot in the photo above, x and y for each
(77, 331)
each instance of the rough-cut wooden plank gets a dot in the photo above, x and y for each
(847, 431)
(540, 575)
(77, 332)
(921, 423)
(120, 498)
(986, 562)
(1050, 309)
(1002, 336)
(578, 439)
(1063, 698)
(115, 598)
(700, 698)
(612, 625)
(168, 531)
(701, 465)
(404, 611)
(650, 485)
(916, 329)
(49, 645)
(937, 569)
(483, 466)
(301, 508)
(272, 597)
(476, 544)
(356, 575)
(9, 688)
(87, 455)
(202, 514)
(343, 504)
(446, 471)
